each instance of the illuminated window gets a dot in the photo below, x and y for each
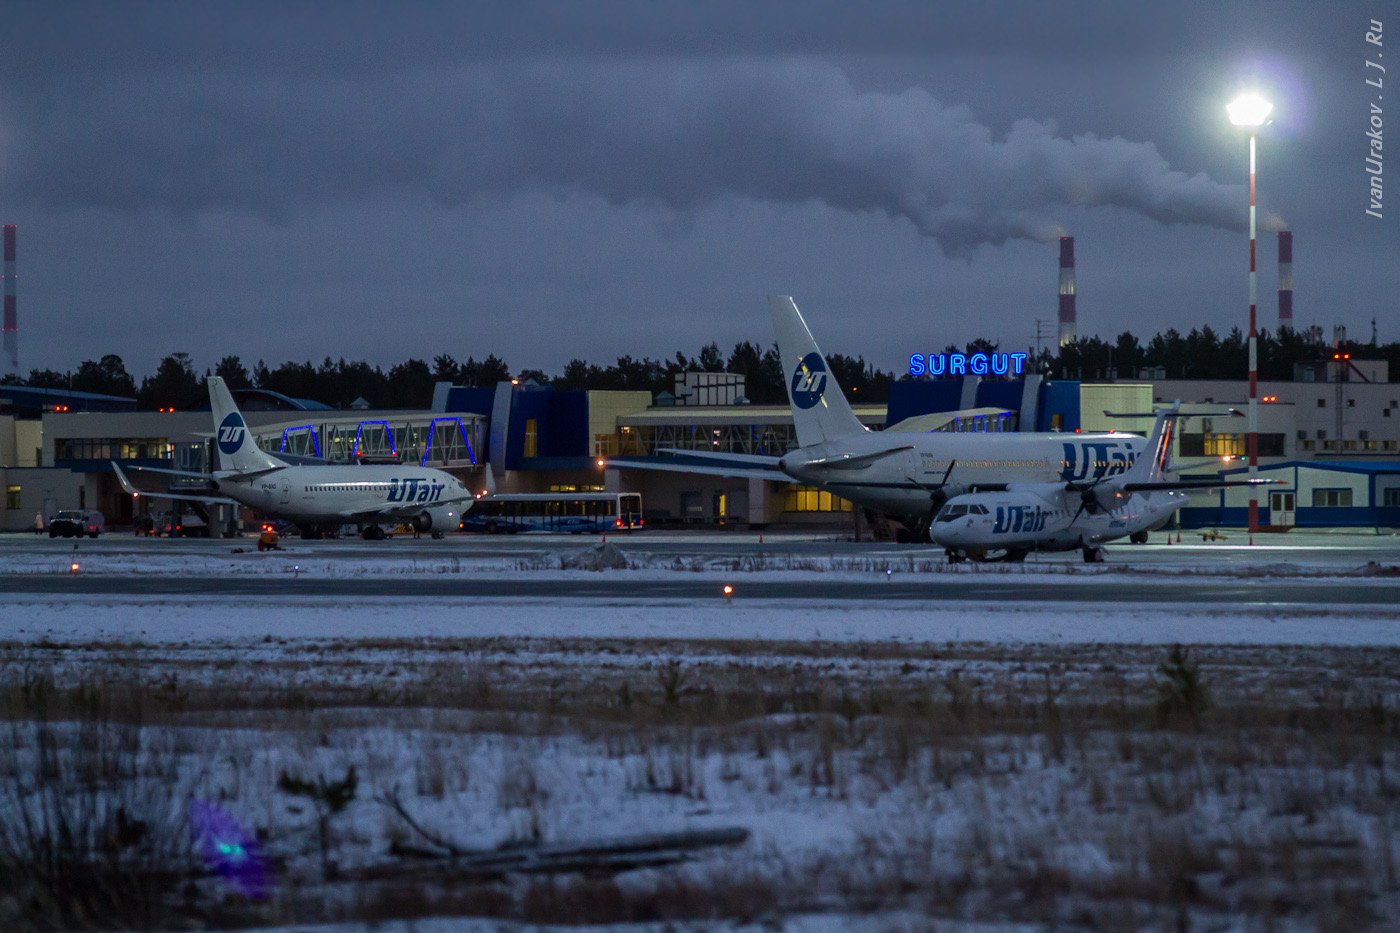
(811, 499)
(12, 497)
(532, 438)
(1222, 445)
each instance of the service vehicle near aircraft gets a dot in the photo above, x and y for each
(75, 523)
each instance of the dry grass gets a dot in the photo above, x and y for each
(1018, 783)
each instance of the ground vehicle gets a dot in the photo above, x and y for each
(74, 523)
(572, 512)
(180, 524)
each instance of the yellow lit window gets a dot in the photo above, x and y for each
(811, 499)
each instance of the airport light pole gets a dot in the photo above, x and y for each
(1252, 111)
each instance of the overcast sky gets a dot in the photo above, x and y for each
(549, 180)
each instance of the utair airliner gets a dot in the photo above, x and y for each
(1067, 516)
(316, 498)
(908, 476)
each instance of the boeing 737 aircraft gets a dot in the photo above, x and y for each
(317, 498)
(905, 475)
(1067, 516)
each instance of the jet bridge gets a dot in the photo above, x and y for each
(426, 438)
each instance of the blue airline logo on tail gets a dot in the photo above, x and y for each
(809, 381)
(231, 433)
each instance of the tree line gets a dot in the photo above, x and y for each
(1199, 354)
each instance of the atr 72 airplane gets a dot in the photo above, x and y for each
(1067, 516)
(317, 498)
(908, 476)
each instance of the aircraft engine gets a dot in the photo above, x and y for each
(443, 518)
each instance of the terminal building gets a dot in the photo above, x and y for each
(1333, 433)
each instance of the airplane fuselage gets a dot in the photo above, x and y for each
(1046, 519)
(324, 494)
(901, 484)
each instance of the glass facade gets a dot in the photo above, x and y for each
(112, 448)
(812, 499)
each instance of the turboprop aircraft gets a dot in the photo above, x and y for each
(907, 476)
(317, 498)
(1065, 516)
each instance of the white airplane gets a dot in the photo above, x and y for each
(316, 498)
(907, 476)
(1067, 516)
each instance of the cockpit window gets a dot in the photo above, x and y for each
(951, 512)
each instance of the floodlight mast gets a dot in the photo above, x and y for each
(1252, 110)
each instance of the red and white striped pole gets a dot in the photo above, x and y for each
(1253, 360)
(1252, 111)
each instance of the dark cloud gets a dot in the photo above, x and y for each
(646, 168)
(675, 134)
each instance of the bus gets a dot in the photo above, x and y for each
(560, 512)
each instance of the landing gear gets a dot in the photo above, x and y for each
(373, 533)
(310, 533)
(994, 556)
(1093, 555)
(1138, 537)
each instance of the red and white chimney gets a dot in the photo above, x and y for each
(11, 325)
(1067, 333)
(1285, 278)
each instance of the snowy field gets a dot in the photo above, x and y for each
(231, 759)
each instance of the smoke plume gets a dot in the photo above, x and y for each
(679, 134)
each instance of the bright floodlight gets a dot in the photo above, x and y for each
(1249, 110)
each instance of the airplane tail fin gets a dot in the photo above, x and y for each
(1156, 458)
(819, 409)
(238, 451)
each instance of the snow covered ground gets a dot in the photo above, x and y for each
(233, 620)
(881, 784)
(897, 763)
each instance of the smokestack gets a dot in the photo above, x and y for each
(11, 325)
(1066, 289)
(1285, 278)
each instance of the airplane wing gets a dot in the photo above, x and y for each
(192, 474)
(189, 497)
(854, 461)
(249, 475)
(754, 459)
(739, 466)
(1199, 484)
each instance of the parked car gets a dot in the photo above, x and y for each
(74, 523)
